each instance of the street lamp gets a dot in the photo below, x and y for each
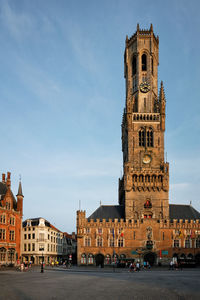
(42, 268)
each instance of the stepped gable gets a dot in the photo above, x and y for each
(185, 212)
(108, 212)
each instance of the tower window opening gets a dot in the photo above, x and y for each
(134, 65)
(144, 62)
(141, 138)
(150, 138)
(152, 65)
(145, 104)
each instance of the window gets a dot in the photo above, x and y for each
(48, 247)
(141, 137)
(8, 205)
(29, 247)
(2, 234)
(24, 247)
(11, 253)
(134, 235)
(48, 236)
(100, 230)
(99, 242)
(33, 247)
(87, 242)
(29, 236)
(149, 137)
(33, 236)
(2, 254)
(12, 221)
(112, 242)
(3, 219)
(25, 236)
(134, 65)
(12, 235)
(152, 66)
(198, 242)
(120, 242)
(176, 243)
(144, 62)
(90, 259)
(83, 259)
(107, 259)
(187, 243)
(145, 104)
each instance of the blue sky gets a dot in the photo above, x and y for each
(62, 95)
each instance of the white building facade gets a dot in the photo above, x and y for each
(41, 241)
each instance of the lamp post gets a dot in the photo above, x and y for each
(42, 268)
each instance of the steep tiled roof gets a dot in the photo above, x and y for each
(179, 211)
(108, 212)
(176, 211)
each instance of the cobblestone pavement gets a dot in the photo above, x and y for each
(94, 283)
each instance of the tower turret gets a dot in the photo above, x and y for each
(20, 198)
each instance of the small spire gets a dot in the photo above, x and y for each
(151, 28)
(162, 92)
(20, 190)
(138, 27)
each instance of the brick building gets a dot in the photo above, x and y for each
(144, 225)
(11, 211)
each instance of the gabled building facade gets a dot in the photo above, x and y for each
(41, 241)
(144, 225)
(11, 211)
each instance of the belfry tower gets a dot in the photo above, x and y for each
(144, 187)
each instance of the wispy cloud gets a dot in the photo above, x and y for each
(18, 23)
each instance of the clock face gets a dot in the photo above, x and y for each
(144, 87)
(146, 159)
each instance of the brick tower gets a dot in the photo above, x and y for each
(144, 187)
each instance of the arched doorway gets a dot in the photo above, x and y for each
(150, 257)
(99, 260)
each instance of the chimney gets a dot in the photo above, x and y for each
(8, 181)
(4, 178)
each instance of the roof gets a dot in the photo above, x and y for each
(35, 222)
(180, 211)
(3, 191)
(176, 211)
(108, 212)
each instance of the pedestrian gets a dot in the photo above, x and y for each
(145, 265)
(138, 266)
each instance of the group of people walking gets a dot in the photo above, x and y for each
(136, 267)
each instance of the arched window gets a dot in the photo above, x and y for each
(107, 259)
(144, 62)
(134, 66)
(2, 254)
(83, 258)
(90, 259)
(141, 137)
(150, 137)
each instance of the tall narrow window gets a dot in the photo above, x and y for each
(152, 65)
(144, 62)
(149, 137)
(134, 66)
(145, 104)
(141, 137)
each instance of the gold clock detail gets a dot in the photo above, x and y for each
(144, 87)
(146, 159)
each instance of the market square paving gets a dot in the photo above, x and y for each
(95, 283)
